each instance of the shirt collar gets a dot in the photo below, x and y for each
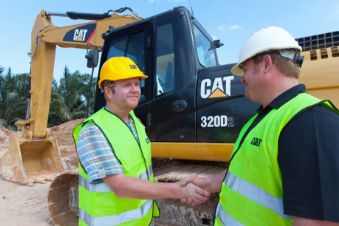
(130, 119)
(283, 98)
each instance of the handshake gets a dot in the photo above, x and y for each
(194, 190)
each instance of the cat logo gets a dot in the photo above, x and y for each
(256, 141)
(83, 33)
(80, 35)
(219, 87)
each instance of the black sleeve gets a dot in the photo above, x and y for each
(309, 162)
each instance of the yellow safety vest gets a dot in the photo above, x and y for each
(251, 193)
(98, 205)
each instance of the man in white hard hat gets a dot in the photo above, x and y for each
(284, 169)
(116, 180)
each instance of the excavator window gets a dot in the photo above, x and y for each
(136, 49)
(204, 48)
(164, 59)
(132, 46)
(117, 47)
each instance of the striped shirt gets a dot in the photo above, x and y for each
(96, 154)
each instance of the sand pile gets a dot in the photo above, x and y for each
(63, 134)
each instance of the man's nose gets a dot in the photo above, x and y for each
(135, 88)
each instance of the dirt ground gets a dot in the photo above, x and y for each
(27, 206)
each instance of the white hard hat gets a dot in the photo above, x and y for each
(266, 39)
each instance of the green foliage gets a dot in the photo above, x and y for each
(69, 98)
(12, 98)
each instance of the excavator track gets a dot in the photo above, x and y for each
(63, 200)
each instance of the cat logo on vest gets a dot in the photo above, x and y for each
(256, 141)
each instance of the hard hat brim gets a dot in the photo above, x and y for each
(141, 76)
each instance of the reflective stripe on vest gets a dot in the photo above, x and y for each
(103, 187)
(117, 219)
(255, 193)
(146, 173)
(225, 218)
(99, 187)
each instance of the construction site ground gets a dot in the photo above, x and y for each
(23, 205)
(27, 205)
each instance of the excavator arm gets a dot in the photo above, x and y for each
(34, 155)
(45, 38)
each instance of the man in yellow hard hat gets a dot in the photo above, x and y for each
(284, 168)
(116, 180)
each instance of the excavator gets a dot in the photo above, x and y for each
(193, 107)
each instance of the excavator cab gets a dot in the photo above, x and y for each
(188, 101)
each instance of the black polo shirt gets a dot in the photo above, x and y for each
(308, 157)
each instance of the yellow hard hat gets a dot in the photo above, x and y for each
(118, 68)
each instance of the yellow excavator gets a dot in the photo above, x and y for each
(193, 108)
(34, 155)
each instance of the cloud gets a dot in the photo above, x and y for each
(234, 27)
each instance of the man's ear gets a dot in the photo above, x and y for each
(108, 92)
(268, 63)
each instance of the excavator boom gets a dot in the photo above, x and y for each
(34, 155)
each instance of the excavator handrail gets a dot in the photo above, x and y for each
(92, 16)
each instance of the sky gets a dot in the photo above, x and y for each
(230, 21)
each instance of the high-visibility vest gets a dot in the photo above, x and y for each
(251, 193)
(98, 204)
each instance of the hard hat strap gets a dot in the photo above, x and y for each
(292, 55)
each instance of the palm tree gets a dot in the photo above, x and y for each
(12, 98)
(74, 87)
(69, 99)
(12, 110)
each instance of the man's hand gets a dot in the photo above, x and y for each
(210, 184)
(202, 182)
(193, 195)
